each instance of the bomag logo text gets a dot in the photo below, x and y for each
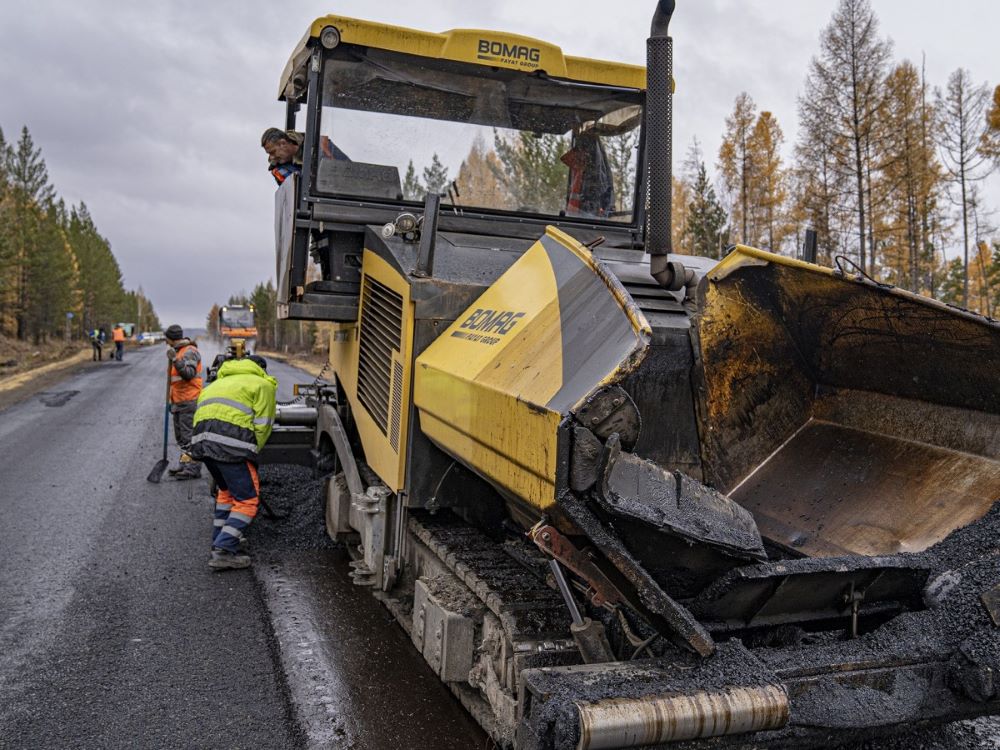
(487, 326)
(492, 321)
(509, 54)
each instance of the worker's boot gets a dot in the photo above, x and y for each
(181, 463)
(191, 471)
(224, 560)
(187, 468)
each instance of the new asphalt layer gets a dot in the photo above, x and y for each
(114, 633)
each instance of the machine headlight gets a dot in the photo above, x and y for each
(329, 37)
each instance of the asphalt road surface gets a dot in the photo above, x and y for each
(114, 633)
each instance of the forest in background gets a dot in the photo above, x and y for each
(887, 169)
(58, 275)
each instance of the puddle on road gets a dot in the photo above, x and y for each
(56, 398)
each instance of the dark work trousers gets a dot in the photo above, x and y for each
(119, 350)
(236, 503)
(98, 350)
(183, 412)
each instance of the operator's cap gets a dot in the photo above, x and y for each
(174, 332)
(259, 361)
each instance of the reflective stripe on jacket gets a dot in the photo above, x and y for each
(185, 374)
(235, 413)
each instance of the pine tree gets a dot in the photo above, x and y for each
(952, 287)
(911, 176)
(680, 213)
(412, 189)
(842, 101)
(736, 167)
(8, 253)
(477, 179)
(435, 176)
(962, 131)
(31, 195)
(264, 298)
(100, 279)
(212, 322)
(50, 278)
(819, 186)
(768, 190)
(706, 226)
(531, 171)
(622, 153)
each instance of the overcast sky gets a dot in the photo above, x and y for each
(151, 113)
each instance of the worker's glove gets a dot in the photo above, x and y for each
(171, 353)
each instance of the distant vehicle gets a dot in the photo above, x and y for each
(238, 322)
(151, 337)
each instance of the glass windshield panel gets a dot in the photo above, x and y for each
(237, 318)
(396, 127)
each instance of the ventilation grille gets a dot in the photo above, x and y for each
(397, 405)
(381, 335)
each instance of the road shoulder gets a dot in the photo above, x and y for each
(25, 384)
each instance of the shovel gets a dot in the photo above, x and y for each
(161, 466)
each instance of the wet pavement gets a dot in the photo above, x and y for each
(113, 630)
(114, 633)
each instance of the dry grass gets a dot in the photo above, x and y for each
(18, 357)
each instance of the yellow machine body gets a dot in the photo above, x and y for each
(477, 46)
(372, 361)
(493, 388)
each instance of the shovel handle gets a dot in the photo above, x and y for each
(166, 412)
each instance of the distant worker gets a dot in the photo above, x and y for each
(232, 424)
(284, 152)
(185, 387)
(118, 336)
(97, 339)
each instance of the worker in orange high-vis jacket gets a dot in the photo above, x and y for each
(118, 336)
(185, 387)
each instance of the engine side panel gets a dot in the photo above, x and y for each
(372, 361)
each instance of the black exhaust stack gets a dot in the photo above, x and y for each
(659, 149)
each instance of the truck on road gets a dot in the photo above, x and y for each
(237, 322)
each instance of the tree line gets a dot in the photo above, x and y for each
(57, 272)
(887, 170)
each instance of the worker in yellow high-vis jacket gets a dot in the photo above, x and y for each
(233, 421)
